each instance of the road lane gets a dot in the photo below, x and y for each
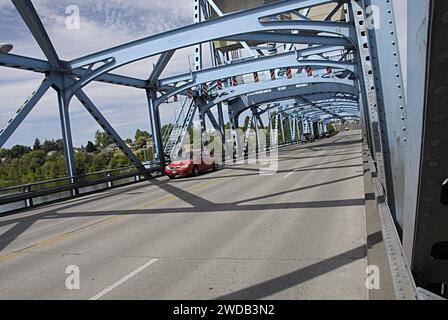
(231, 234)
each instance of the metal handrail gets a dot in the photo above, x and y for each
(28, 192)
(34, 184)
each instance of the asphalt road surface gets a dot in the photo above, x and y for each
(234, 234)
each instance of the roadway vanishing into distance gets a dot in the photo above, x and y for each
(234, 234)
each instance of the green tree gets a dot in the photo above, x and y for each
(4, 153)
(141, 142)
(54, 167)
(102, 139)
(142, 134)
(119, 160)
(330, 128)
(51, 145)
(149, 154)
(60, 145)
(18, 151)
(90, 148)
(99, 162)
(82, 163)
(37, 145)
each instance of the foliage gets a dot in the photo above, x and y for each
(46, 161)
(331, 129)
(141, 142)
(37, 145)
(142, 135)
(102, 139)
(52, 145)
(18, 151)
(91, 148)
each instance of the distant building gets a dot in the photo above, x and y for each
(131, 146)
(149, 142)
(111, 148)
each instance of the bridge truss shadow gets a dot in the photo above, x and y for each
(196, 204)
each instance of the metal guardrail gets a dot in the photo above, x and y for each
(28, 195)
(403, 281)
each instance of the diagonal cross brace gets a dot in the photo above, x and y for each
(32, 20)
(90, 106)
(23, 112)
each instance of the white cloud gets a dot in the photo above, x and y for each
(104, 23)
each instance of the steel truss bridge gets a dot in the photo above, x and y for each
(304, 71)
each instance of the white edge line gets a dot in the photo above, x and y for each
(291, 173)
(124, 279)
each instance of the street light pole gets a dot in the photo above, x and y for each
(6, 47)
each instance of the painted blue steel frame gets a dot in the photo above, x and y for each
(113, 58)
(363, 80)
(426, 219)
(391, 100)
(418, 33)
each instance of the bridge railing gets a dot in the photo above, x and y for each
(32, 194)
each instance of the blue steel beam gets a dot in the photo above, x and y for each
(64, 98)
(368, 85)
(320, 116)
(97, 115)
(418, 51)
(32, 20)
(315, 105)
(334, 119)
(159, 68)
(235, 92)
(24, 63)
(249, 67)
(335, 110)
(23, 112)
(330, 97)
(312, 111)
(64, 116)
(427, 218)
(327, 92)
(312, 108)
(112, 78)
(288, 59)
(250, 21)
(391, 102)
(333, 104)
(42, 66)
(292, 38)
(239, 106)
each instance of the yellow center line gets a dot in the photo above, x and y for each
(114, 218)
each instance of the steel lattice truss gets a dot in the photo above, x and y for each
(328, 48)
(332, 68)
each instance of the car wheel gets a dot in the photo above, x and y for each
(172, 178)
(196, 171)
(215, 166)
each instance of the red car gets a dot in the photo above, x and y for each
(192, 165)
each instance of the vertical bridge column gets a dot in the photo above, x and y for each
(156, 129)
(64, 98)
(234, 121)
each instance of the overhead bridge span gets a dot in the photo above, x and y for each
(332, 180)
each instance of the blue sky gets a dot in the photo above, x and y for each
(104, 23)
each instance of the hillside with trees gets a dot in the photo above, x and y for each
(45, 160)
